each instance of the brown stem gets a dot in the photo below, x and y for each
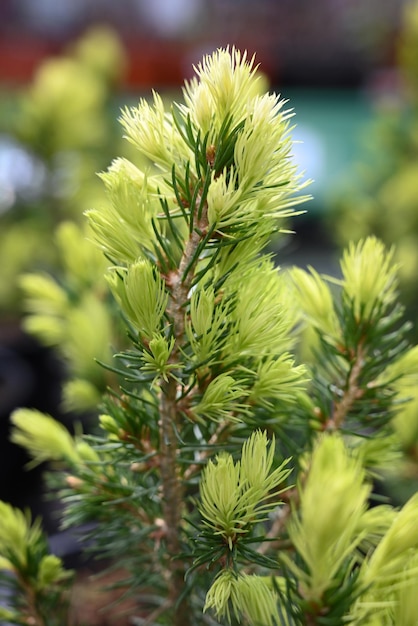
(352, 393)
(172, 487)
(172, 492)
(34, 617)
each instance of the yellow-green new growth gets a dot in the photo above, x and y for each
(226, 81)
(35, 576)
(134, 203)
(142, 296)
(333, 501)
(234, 496)
(405, 609)
(402, 375)
(219, 595)
(150, 129)
(243, 595)
(202, 305)
(260, 323)
(82, 262)
(258, 184)
(223, 396)
(315, 298)
(157, 357)
(248, 169)
(389, 576)
(369, 276)
(48, 440)
(16, 534)
(206, 326)
(50, 571)
(278, 379)
(400, 539)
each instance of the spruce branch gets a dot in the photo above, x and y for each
(352, 392)
(179, 283)
(218, 458)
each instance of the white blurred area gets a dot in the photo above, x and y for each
(166, 18)
(170, 17)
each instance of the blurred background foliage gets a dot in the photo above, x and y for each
(63, 130)
(385, 199)
(60, 131)
(57, 130)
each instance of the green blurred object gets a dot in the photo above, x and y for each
(74, 315)
(385, 200)
(56, 135)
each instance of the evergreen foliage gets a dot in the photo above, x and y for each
(232, 470)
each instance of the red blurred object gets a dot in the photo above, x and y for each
(155, 63)
(152, 63)
(19, 58)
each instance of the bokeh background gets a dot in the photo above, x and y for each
(348, 68)
(337, 61)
